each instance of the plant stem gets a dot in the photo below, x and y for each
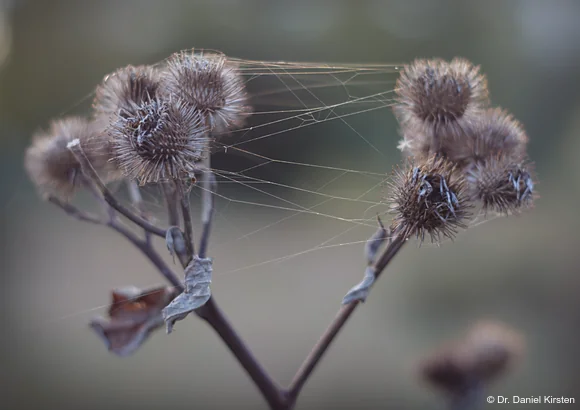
(74, 211)
(209, 186)
(137, 200)
(170, 194)
(273, 394)
(143, 245)
(186, 213)
(337, 324)
(89, 172)
(146, 248)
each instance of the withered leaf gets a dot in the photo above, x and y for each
(361, 291)
(197, 291)
(133, 315)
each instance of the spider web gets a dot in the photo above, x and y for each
(294, 105)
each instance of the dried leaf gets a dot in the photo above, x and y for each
(374, 243)
(361, 291)
(175, 242)
(197, 291)
(133, 315)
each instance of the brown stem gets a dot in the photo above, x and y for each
(89, 172)
(186, 214)
(146, 248)
(137, 200)
(273, 394)
(143, 245)
(209, 186)
(74, 211)
(170, 194)
(337, 324)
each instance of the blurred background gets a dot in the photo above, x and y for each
(523, 271)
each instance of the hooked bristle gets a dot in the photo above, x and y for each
(429, 198)
(495, 132)
(158, 140)
(435, 98)
(126, 86)
(51, 165)
(502, 185)
(211, 84)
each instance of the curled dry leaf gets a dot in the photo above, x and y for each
(197, 291)
(361, 291)
(133, 315)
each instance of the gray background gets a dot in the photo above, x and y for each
(523, 270)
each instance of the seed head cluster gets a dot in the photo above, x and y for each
(159, 140)
(149, 123)
(444, 114)
(481, 356)
(209, 83)
(429, 199)
(54, 169)
(125, 87)
(435, 99)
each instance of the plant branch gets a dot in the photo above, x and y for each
(74, 211)
(113, 223)
(186, 214)
(209, 186)
(148, 250)
(170, 194)
(137, 200)
(273, 394)
(90, 173)
(337, 324)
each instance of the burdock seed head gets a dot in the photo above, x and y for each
(53, 168)
(158, 140)
(429, 198)
(125, 87)
(502, 185)
(211, 84)
(486, 352)
(435, 97)
(493, 133)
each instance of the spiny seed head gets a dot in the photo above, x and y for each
(211, 84)
(429, 198)
(502, 185)
(158, 140)
(51, 165)
(125, 87)
(434, 98)
(481, 356)
(495, 132)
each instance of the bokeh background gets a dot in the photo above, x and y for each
(523, 271)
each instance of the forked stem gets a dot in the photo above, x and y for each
(273, 394)
(277, 398)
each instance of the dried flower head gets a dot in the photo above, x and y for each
(501, 185)
(434, 98)
(429, 198)
(491, 134)
(124, 87)
(211, 84)
(481, 356)
(53, 168)
(158, 140)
